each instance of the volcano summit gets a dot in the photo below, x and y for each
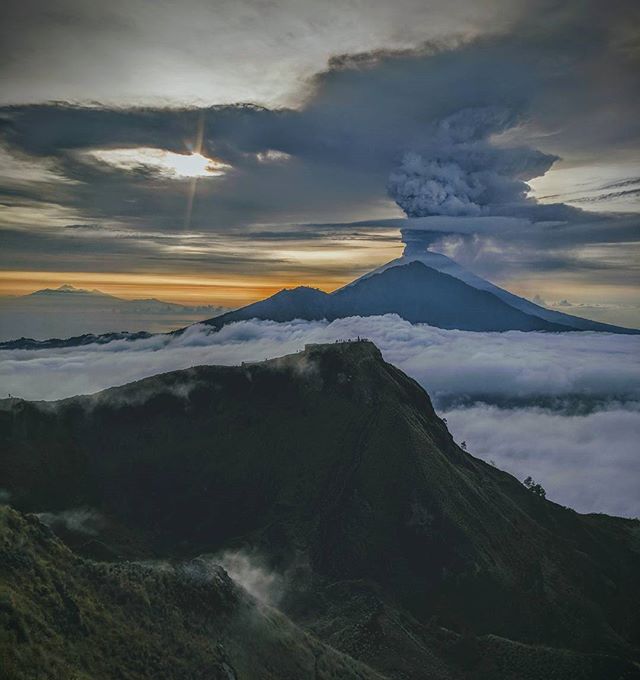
(421, 287)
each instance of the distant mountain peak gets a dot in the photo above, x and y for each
(67, 315)
(68, 289)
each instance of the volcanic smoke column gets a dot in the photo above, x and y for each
(464, 172)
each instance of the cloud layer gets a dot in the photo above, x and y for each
(561, 407)
(451, 365)
(587, 462)
(219, 52)
(474, 114)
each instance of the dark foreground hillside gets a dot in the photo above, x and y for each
(331, 467)
(66, 617)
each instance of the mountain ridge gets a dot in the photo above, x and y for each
(446, 265)
(66, 316)
(69, 291)
(425, 288)
(414, 291)
(333, 465)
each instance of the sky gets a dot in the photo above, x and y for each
(215, 152)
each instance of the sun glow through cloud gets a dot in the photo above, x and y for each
(167, 163)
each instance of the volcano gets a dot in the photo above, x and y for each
(422, 287)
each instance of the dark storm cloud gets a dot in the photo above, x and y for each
(226, 51)
(48, 129)
(462, 173)
(311, 183)
(479, 117)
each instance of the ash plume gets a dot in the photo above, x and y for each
(463, 171)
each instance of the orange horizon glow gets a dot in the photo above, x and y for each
(231, 290)
(228, 291)
(323, 268)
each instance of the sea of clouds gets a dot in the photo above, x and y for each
(562, 407)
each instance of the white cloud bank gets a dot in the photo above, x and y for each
(586, 461)
(447, 363)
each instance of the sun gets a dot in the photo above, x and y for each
(193, 165)
(162, 162)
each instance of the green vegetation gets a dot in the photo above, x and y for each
(396, 546)
(62, 616)
(535, 488)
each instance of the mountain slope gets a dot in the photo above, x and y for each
(74, 341)
(420, 294)
(425, 287)
(67, 311)
(446, 265)
(399, 547)
(415, 292)
(62, 616)
(285, 305)
(71, 296)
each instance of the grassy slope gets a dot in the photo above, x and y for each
(62, 616)
(338, 457)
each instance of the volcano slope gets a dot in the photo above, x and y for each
(395, 546)
(415, 292)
